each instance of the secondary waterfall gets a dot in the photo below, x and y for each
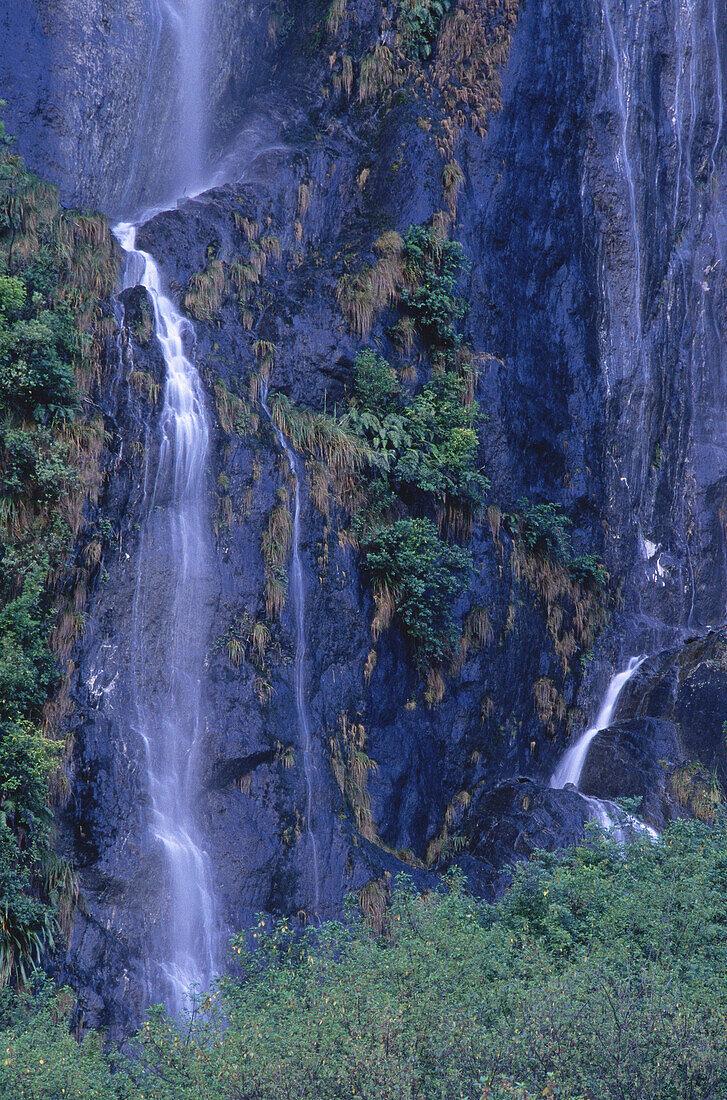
(301, 709)
(569, 770)
(172, 614)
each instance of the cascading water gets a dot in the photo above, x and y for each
(178, 27)
(301, 709)
(570, 768)
(172, 614)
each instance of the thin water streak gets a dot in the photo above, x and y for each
(627, 168)
(309, 766)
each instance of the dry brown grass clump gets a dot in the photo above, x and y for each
(235, 413)
(379, 72)
(365, 293)
(320, 436)
(697, 791)
(205, 292)
(275, 546)
(351, 768)
(574, 612)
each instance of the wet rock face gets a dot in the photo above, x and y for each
(591, 216)
(598, 287)
(510, 822)
(636, 759)
(687, 686)
(93, 91)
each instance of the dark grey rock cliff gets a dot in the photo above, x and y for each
(592, 216)
(91, 89)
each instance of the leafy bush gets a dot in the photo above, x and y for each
(588, 568)
(53, 270)
(601, 973)
(422, 575)
(27, 668)
(433, 268)
(376, 387)
(18, 455)
(419, 22)
(42, 1060)
(543, 528)
(36, 364)
(428, 442)
(442, 451)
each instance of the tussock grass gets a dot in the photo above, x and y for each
(321, 436)
(205, 292)
(697, 790)
(336, 15)
(351, 767)
(378, 73)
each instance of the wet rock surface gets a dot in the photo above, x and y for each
(510, 822)
(91, 90)
(636, 759)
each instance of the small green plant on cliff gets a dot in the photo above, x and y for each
(417, 576)
(433, 267)
(418, 26)
(542, 528)
(376, 387)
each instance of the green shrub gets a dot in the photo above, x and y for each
(433, 268)
(542, 528)
(27, 668)
(441, 457)
(601, 974)
(36, 364)
(588, 568)
(18, 456)
(422, 575)
(376, 387)
(54, 268)
(43, 1061)
(419, 22)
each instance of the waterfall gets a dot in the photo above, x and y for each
(172, 614)
(718, 78)
(569, 770)
(298, 590)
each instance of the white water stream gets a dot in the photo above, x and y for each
(171, 615)
(175, 565)
(569, 770)
(298, 591)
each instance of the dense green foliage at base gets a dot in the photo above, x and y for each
(602, 975)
